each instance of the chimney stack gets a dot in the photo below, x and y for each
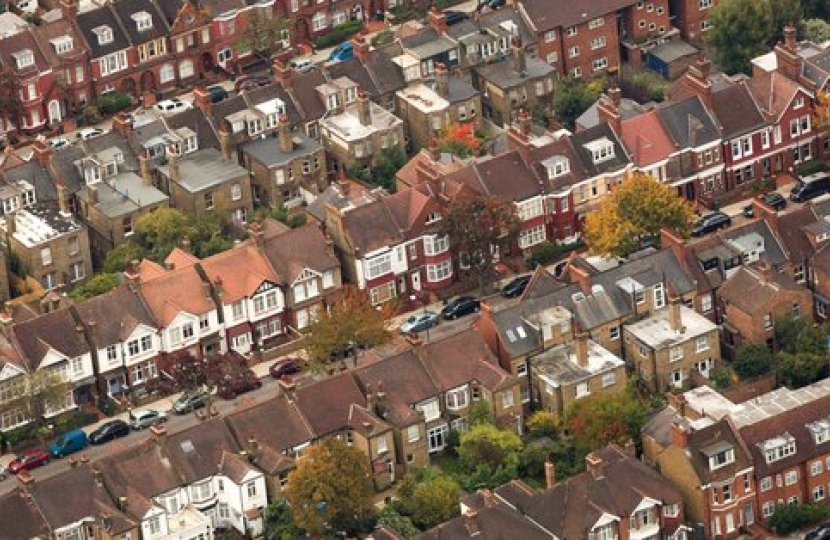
(581, 276)
(282, 72)
(131, 274)
(437, 20)
(122, 124)
(364, 112)
(550, 474)
(69, 9)
(608, 109)
(698, 79)
(203, 99)
(256, 232)
(173, 163)
(63, 196)
(488, 497)
(593, 462)
(286, 141)
(471, 521)
(442, 80)
(523, 122)
(675, 313)
(42, 151)
(360, 46)
(224, 133)
(581, 347)
(519, 58)
(145, 169)
(679, 436)
(434, 150)
(93, 194)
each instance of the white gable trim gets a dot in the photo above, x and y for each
(646, 503)
(306, 274)
(604, 520)
(11, 371)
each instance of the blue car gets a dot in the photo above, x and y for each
(342, 52)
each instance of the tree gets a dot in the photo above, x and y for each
(428, 497)
(572, 97)
(752, 360)
(480, 412)
(740, 31)
(350, 323)
(329, 487)
(817, 30)
(784, 12)
(10, 101)
(98, 284)
(281, 214)
(798, 335)
(121, 256)
(821, 112)
(181, 371)
(37, 393)
(542, 424)
(601, 419)
(390, 518)
(162, 230)
(279, 523)
(486, 444)
(818, 9)
(791, 517)
(476, 226)
(632, 215)
(801, 369)
(263, 32)
(391, 160)
(460, 140)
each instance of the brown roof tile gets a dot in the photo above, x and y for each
(116, 314)
(223, 270)
(294, 250)
(325, 404)
(175, 291)
(449, 369)
(751, 293)
(404, 381)
(257, 422)
(548, 14)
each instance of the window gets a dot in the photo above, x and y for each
(531, 237)
(73, 246)
(439, 272)
(570, 31)
(671, 510)
(46, 256)
(127, 226)
(413, 433)
(705, 4)
(598, 43)
(457, 398)
(250, 488)
(766, 483)
(76, 272)
(769, 507)
(675, 353)
(319, 21)
(596, 23)
(659, 295)
(550, 35)
(507, 399)
(153, 525)
(437, 438)
(609, 379)
(187, 330)
(236, 192)
(702, 343)
(167, 73)
(790, 478)
(378, 266)
(112, 353)
(433, 245)
(768, 321)
(818, 493)
(727, 493)
(722, 458)
(816, 467)
(430, 410)
(573, 52)
(582, 390)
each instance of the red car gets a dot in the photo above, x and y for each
(286, 366)
(245, 382)
(29, 459)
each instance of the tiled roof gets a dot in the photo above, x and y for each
(547, 14)
(689, 123)
(293, 251)
(325, 404)
(773, 92)
(449, 370)
(223, 271)
(646, 140)
(196, 452)
(179, 290)
(95, 18)
(56, 330)
(127, 9)
(747, 290)
(28, 522)
(116, 313)
(736, 111)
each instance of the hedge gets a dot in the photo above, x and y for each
(548, 252)
(112, 102)
(339, 34)
(810, 167)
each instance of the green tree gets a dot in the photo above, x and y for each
(279, 523)
(784, 12)
(390, 518)
(817, 30)
(800, 369)
(740, 31)
(120, 257)
(633, 214)
(474, 226)
(281, 214)
(428, 497)
(489, 445)
(816, 9)
(350, 323)
(39, 393)
(162, 230)
(329, 487)
(10, 100)
(752, 360)
(542, 424)
(602, 419)
(391, 160)
(791, 517)
(798, 335)
(480, 412)
(98, 284)
(573, 96)
(263, 32)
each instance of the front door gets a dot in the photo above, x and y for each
(749, 516)
(416, 281)
(402, 285)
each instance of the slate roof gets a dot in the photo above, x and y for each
(325, 404)
(617, 163)
(506, 176)
(302, 87)
(35, 174)
(268, 152)
(773, 252)
(689, 123)
(126, 9)
(294, 250)
(59, 28)
(28, 522)
(545, 14)
(196, 452)
(195, 120)
(387, 76)
(20, 42)
(498, 522)
(205, 168)
(790, 230)
(504, 74)
(102, 16)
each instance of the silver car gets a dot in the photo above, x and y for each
(145, 418)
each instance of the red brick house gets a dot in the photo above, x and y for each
(190, 39)
(310, 20)
(691, 17)
(23, 61)
(113, 58)
(147, 31)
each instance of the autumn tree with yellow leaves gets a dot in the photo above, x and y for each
(632, 215)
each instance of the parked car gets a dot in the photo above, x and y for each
(342, 52)
(773, 199)
(172, 105)
(810, 187)
(455, 17)
(145, 418)
(711, 223)
(822, 532)
(217, 93)
(463, 305)
(58, 142)
(420, 322)
(190, 400)
(29, 459)
(303, 65)
(89, 133)
(286, 366)
(109, 431)
(3, 473)
(515, 287)
(246, 82)
(69, 443)
(240, 384)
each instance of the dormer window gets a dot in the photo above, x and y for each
(104, 34)
(62, 44)
(433, 217)
(720, 455)
(143, 20)
(254, 126)
(351, 94)
(332, 101)
(24, 58)
(600, 150)
(191, 144)
(778, 448)
(557, 166)
(111, 169)
(820, 430)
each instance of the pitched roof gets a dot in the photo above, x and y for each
(223, 271)
(790, 229)
(736, 110)
(28, 522)
(404, 381)
(372, 226)
(17, 43)
(689, 123)
(496, 521)
(449, 370)
(751, 292)
(545, 14)
(257, 422)
(45, 33)
(175, 291)
(506, 176)
(115, 313)
(56, 330)
(195, 452)
(773, 93)
(599, 132)
(128, 10)
(294, 250)
(325, 404)
(89, 21)
(648, 143)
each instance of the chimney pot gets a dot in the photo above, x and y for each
(550, 474)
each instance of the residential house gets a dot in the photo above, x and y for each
(190, 39)
(487, 38)
(64, 49)
(182, 304)
(309, 21)
(253, 304)
(124, 340)
(288, 171)
(429, 110)
(616, 497)
(307, 269)
(752, 298)
(605, 164)
(356, 131)
(562, 374)
(24, 62)
(28, 522)
(709, 463)
(515, 82)
(671, 345)
(148, 33)
(206, 483)
(52, 246)
(692, 18)
(111, 53)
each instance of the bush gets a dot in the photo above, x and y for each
(721, 378)
(809, 167)
(99, 284)
(549, 252)
(112, 102)
(383, 38)
(338, 34)
(752, 360)
(791, 517)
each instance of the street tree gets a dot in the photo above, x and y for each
(181, 371)
(602, 419)
(478, 228)
(330, 487)
(34, 394)
(263, 32)
(632, 215)
(428, 497)
(741, 30)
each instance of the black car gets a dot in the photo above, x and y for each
(455, 17)
(463, 305)
(772, 199)
(109, 431)
(711, 223)
(286, 366)
(516, 287)
(217, 93)
(820, 533)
